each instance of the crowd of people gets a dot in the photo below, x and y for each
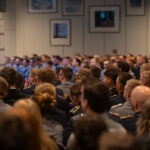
(80, 103)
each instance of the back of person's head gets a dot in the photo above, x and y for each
(145, 78)
(67, 72)
(46, 75)
(16, 133)
(33, 72)
(121, 141)
(19, 81)
(38, 59)
(5, 76)
(97, 95)
(96, 72)
(46, 88)
(143, 123)
(87, 130)
(31, 107)
(123, 66)
(145, 67)
(132, 83)
(75, 93)
(3, 87)
(139, 96)
(111, 73)
(45, 101)
(81, 74)
(123, 77)
(12, 75)
(75, 89)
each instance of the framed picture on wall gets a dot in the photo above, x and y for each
(1, 26)
(60, 32)
(73, 7)
(42, 6)
(2, 42)
(104, 19)
(135, 7)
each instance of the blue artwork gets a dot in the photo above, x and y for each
(73, 6)
(136, 3)
(60, 30)
(42, 4)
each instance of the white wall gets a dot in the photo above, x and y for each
(28, 33)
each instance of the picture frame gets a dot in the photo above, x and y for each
(135, 8)
(73, 7)
(2, 28)
(104, 19)
(42, 6)
(60, 32)
(2, 42)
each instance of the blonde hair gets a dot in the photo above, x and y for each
(146, 77)
(31, 123)
(132, 83)
(45, 101)
(46, 88)
(30, 106)
(145, 67)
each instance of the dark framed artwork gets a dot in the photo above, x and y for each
(104, 18)
(135, 7)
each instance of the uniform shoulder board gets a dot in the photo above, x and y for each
(113, 96)
(114, 114)
(126, 117)
(75, 109)
(116, 106)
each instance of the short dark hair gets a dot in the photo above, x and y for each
(58, 57)
(75, 89)
(123, 77)
(87, 131)
(67, 72)
(19, 81)
(38, 58)
(78, 61)
(12, 75)
(125, 67)
(97, 95)
(111, 73)
(58, 70)
(96, 72)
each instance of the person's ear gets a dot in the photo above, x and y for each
(84, 104)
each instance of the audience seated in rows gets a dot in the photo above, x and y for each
(74, 90)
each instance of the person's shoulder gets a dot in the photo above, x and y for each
(75, 111)
(117, 115)
(122, 109)
(113, 96)
(116, 106)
